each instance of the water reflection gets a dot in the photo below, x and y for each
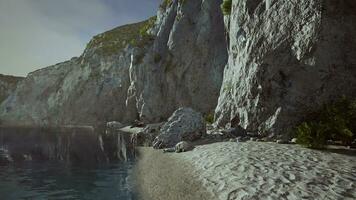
(65, 163)
(73, 145)
(54, 180)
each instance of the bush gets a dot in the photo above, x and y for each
(166, 3)
(312, 135)
(335, 121)
(147, 26)
(157, 58)
(226, 7)
(209, 118)
(144, 37)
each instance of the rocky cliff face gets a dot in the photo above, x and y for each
(184, 65)
(7, 85)
(286, 58)
(85, 90)
(144, 70)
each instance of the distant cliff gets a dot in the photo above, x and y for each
(7, 85)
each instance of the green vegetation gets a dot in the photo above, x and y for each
(157, 58)
(144, 37)
(226, 7)
(228, 87)
(113, 41)
(147, 26)
(165, 4)
(209, 118)
(182, 1)
(335, 121)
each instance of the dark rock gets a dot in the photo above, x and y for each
(5, 158)
(147, 135)
(242, 139)
(235, 132)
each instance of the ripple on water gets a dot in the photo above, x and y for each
(54, 180)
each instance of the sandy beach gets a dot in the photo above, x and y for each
(251, 170)
(164, 176)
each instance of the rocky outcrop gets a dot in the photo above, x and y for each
(147, 135)
(184, 125)
(285, 59)
(90, 89)
(7, 85)
(184, 65)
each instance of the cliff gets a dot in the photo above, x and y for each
(273, 62)
(286, 58)
(84, 90)
(7, 85)
(144, 70)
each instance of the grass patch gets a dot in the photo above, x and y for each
(157, 58)
(165, 4)
(334, 121)
(226, 7)
(113, 41)
(209, 118)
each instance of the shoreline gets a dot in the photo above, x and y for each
(164, 176)
(249, 170)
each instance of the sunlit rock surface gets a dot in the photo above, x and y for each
(123, 76)
(184, 65)
(286, 58)
(87, 90)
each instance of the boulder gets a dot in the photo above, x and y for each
(5, 158)
(147, 135)
(184, 125)
(282, 142)
(242, 139)
(183, 147)
(294, 141)
(112, 127)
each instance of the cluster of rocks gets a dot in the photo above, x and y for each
(186, 126)
(176, 135)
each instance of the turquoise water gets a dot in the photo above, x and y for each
(56, 180)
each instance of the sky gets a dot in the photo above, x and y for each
(39, 33)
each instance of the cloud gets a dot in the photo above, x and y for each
(39, 33)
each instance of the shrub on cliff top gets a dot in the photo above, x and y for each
(144, 37)
(113, 41)
(166, 3)
(209, 118)
(335, 121)
(226, 7)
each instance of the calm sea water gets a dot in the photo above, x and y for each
(66, 164)
(56, 180)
